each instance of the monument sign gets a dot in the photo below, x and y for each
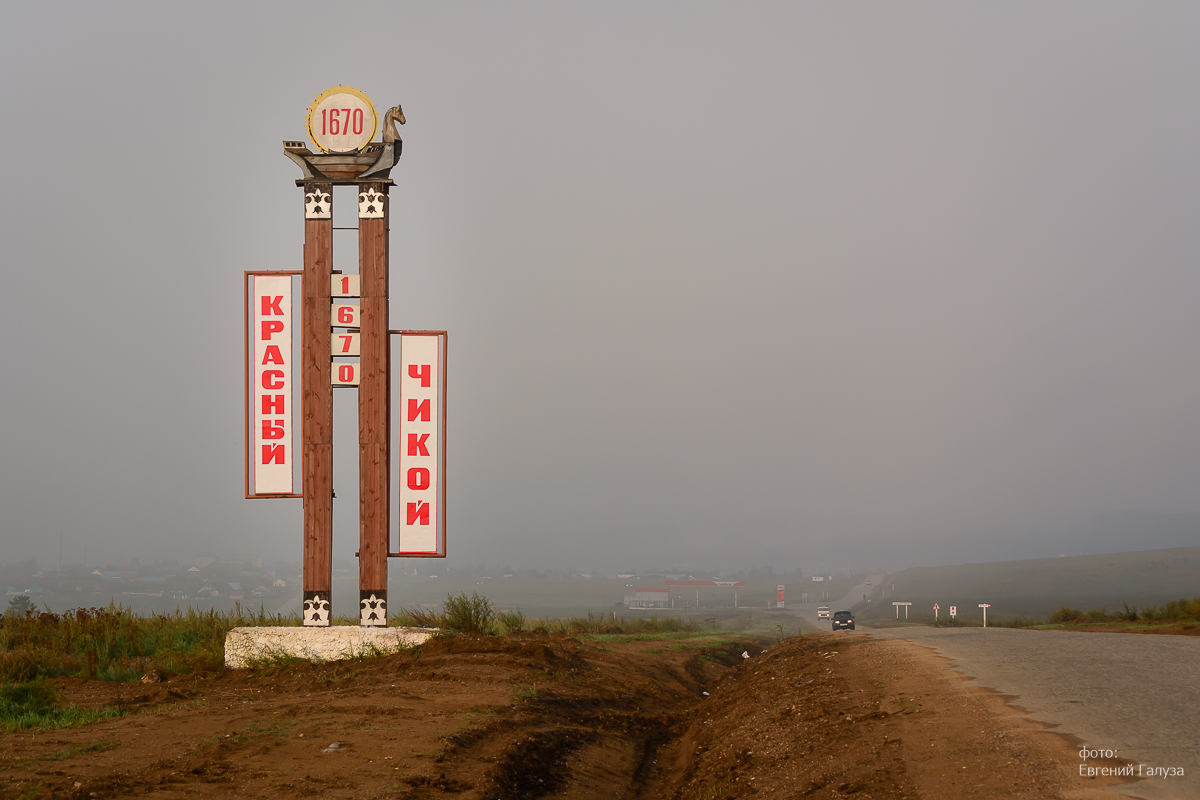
(345, 342)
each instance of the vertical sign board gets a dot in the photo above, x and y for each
(421, 444)
(273, 451)
(779, 589)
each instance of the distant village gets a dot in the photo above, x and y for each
(210, 581)
(235, 579)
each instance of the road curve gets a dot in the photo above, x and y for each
(807, 612)
(1137, 694)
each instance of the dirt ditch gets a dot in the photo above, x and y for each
(548, 716)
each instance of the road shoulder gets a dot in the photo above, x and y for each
(830, 715)
(965, 740)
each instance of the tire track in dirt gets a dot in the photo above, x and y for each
(496, 717)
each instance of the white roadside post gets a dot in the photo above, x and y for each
(985, 607)
(936, 607)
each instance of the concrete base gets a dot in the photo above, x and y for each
(243, 646)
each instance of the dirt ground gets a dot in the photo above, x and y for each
(823, 716)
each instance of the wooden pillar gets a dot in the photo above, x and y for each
(373, 404)
(317, 406)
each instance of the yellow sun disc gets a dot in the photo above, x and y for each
(342, 120)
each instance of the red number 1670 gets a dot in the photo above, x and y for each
(333, 123)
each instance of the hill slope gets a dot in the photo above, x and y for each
(1036, 587)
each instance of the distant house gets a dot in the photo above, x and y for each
(193, 568)
(280, 583)
(218, 589)
(648, 598)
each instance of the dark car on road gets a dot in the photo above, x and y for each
(843, 621)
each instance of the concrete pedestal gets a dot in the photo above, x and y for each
(246, 645)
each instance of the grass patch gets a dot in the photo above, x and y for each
(37, 704)
(78, 750)
(114, 644)
(254, 730)
(1182, 610)
(526, 694)
(271, 662)
(62, 755)
(369, 650)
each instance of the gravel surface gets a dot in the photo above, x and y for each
(1136, 694)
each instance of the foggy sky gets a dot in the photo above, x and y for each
(727, 284)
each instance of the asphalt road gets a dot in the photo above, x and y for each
(1137, 694)
(807, 612)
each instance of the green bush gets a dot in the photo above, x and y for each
(474, 614)
(1068, 614)
(512, 621)
(1175, 611)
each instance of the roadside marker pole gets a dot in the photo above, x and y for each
(985, 607)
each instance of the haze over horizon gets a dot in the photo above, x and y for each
(803, 284)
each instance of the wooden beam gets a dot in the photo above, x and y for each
(317, 406)
(373, 405)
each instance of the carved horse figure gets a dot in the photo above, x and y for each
(390, 132)
(392, 145)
